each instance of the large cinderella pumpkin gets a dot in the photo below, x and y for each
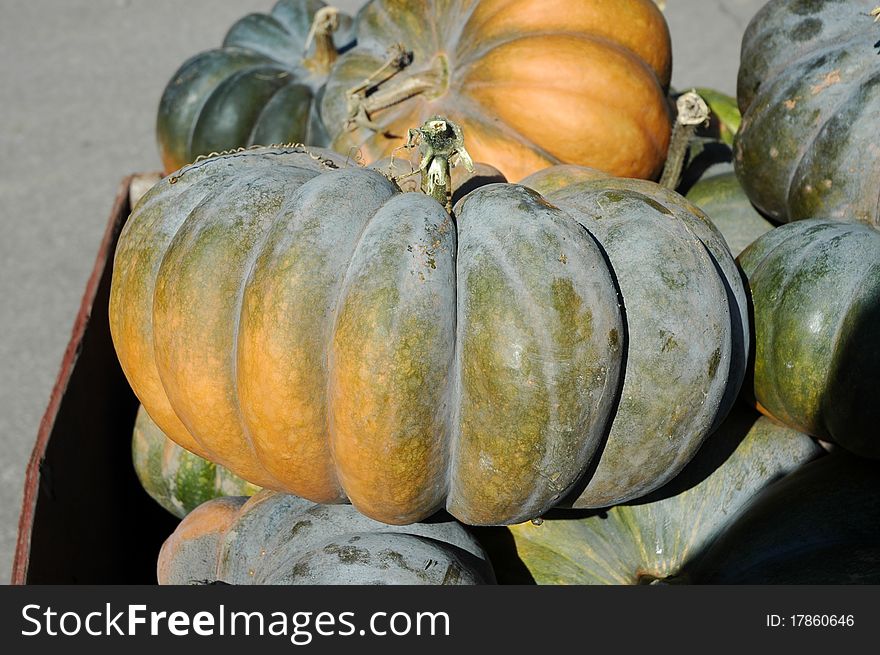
(315, 330)
(809, 91)
(262, 86)
(532, 82)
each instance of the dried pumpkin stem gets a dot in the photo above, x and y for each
(440, 141)
(324, 25)
(387, 87)
(692, 112)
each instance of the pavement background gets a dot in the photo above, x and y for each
(79, 86)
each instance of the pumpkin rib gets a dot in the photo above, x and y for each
(261, 477)
(795, 265)
(549, 32)
(224, 91)
(593, 100)
(856, 88)
(268, 108)
(195, 62)
(824, 47)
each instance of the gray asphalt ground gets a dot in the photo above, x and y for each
(79, 84)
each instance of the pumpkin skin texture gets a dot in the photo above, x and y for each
(659, 423)
(533, 83)
(257, 88)
(820, 525)
(809, 92)
(174, 477)
(657, 538)
(317, 331)
(724, 201)
(815, 288)
(276, 538)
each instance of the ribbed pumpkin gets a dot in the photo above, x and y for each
(809, 91)
(276, 538)
(262, 86)
(175, 478)
(532, 82)
(659, 538)
(316, 330)
(815, 287)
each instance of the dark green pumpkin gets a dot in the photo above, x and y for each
(175, 478)
(262, 86)
(809, 92)
(275, 538)
(815, 287)
(657, 538)
(820, 525)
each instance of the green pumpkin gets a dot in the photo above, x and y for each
(820, 525)
(262, 86)
(317, 331)
(815, 287)
(275, 539)
(175, 478)
(809, 92)
(658, 538)
(722, 197)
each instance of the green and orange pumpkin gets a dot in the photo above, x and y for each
(315, 330)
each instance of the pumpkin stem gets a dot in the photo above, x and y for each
(324, 25)
(692, 112)
(385, 87)
(439, 141)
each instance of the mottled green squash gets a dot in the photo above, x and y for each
(820, 525)
(262, 86)
(724, 201)
(317, 331)
(809, 92)
(815, 287)
(276, 538)
(657, 538)
(175, 478)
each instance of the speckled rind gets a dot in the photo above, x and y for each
(815, 288)
(686, 329)
(657, 539)
(809, 91)
(252, 90)
(175, 478)
(280, 539)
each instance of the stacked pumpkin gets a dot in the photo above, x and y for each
(489, 349)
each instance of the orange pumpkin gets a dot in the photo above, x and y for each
(532, 82)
